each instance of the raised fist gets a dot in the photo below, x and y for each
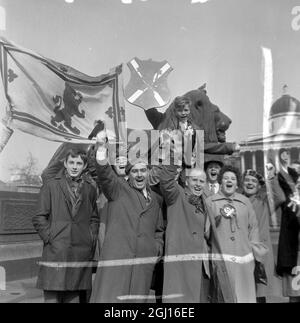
(271, 171)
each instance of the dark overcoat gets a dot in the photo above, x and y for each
(289, 229)
(133, 242)
(69, 235)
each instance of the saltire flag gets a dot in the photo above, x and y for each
(56, 102)
(148, 86)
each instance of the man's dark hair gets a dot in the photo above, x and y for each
(229, 168)
(77, 153)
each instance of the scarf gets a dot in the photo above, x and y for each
(196, 201)
(75, 186)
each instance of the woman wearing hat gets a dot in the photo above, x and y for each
(237, 229)
(253, 184)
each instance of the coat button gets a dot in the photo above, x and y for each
(232, 238)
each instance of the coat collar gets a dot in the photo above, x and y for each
(61, 174)
(60, 177)
(236, 197)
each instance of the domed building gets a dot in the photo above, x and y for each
(283, 132)
(285, 116)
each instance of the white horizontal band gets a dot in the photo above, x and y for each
(152, 260)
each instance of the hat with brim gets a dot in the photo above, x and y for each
(131, 164)
(208, 158)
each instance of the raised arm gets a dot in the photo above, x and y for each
(108, 180)
(258, 247)
(276, 192)
(159, 234)
(168, 185)
(154, 117)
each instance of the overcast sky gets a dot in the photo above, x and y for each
(218, 42)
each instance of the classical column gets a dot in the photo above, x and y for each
(243, 162)
(253, 160)
(277, 161)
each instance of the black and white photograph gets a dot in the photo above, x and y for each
(150, 154)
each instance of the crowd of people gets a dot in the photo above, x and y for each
(189, 234)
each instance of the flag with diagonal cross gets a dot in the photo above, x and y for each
(148, 86)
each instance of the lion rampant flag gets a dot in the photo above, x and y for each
(56, 102)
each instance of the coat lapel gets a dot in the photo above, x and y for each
(83, 194)
(63, 186)
(79, 201)
(142, 201)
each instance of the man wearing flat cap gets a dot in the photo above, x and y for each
(212, 167)
(134, 234)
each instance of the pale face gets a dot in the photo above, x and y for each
(120, 165)
(212, 172)
(183, 113)
(196, 182)
(138, 176)
(250, 185)
(74, 166)
(229, 183)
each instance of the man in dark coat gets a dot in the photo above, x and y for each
(188, 275)
(134, 234)
(67, 221)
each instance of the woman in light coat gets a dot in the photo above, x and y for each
(237, 230)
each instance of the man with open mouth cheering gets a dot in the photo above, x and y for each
(134, 232)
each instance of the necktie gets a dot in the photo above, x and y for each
(213, 188)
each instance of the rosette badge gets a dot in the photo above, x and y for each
(228, 211)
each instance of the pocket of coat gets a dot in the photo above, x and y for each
(56, 229)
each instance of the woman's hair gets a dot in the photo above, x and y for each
(229, 168)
